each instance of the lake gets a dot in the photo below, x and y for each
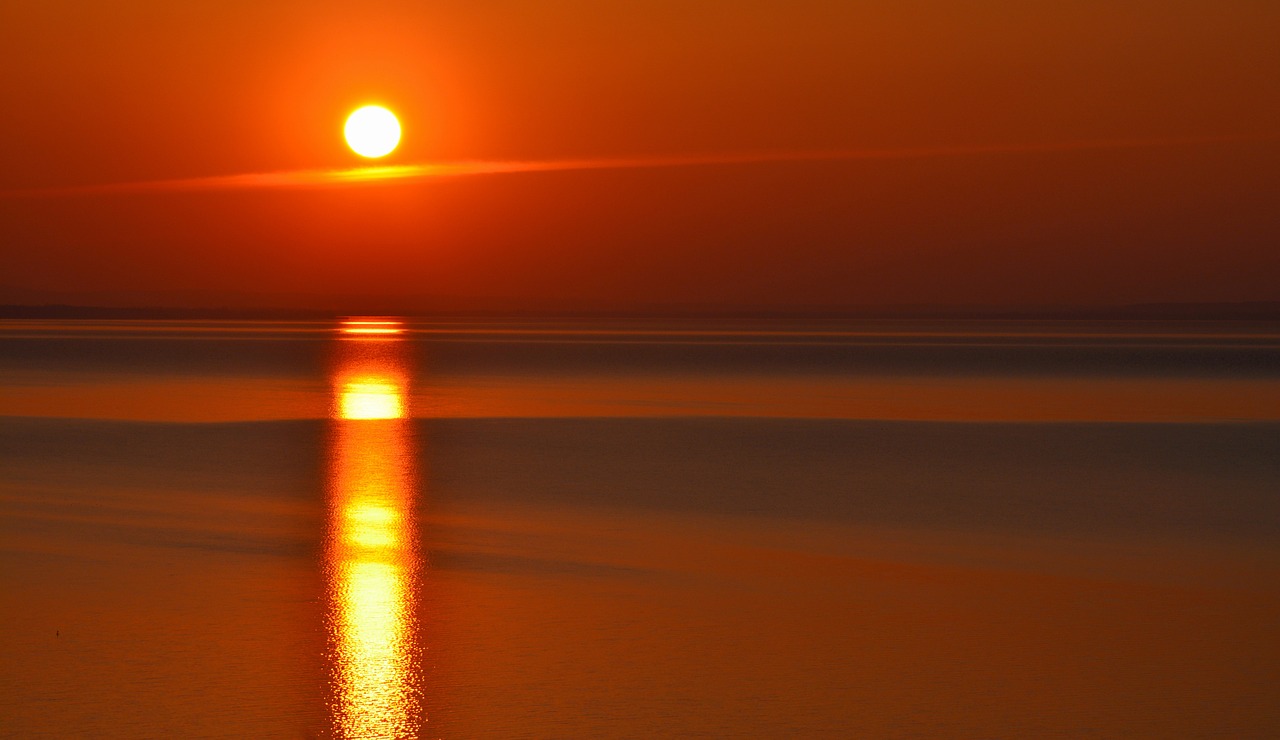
(519, 527)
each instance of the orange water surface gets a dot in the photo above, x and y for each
(379, 530)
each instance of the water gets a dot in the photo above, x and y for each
(527, 528)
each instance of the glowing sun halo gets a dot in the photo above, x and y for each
(372, 131)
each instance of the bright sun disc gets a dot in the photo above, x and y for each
(372, 131)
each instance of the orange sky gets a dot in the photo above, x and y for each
(140, 90)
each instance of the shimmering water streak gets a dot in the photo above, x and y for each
(372, 553)
(381, 327)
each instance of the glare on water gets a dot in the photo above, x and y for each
(372, 553)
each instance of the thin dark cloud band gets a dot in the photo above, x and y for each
(329, 178)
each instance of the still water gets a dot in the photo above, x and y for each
(519, 528)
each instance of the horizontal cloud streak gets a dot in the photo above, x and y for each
(328, 178)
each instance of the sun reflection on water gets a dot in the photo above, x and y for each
(370, 399)
(372, 551)
(375, 327)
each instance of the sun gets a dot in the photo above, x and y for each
(372, 131)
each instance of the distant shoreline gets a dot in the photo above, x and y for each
(1242, 311)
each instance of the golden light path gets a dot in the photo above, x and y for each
(372, 557)
(371, 326)
(327, 178)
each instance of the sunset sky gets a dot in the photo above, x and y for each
(1073, 152)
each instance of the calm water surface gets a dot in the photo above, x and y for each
(388, 528)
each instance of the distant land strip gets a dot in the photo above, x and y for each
(327, 178)
(1268, 311)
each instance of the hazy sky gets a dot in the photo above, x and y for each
(131, 90)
